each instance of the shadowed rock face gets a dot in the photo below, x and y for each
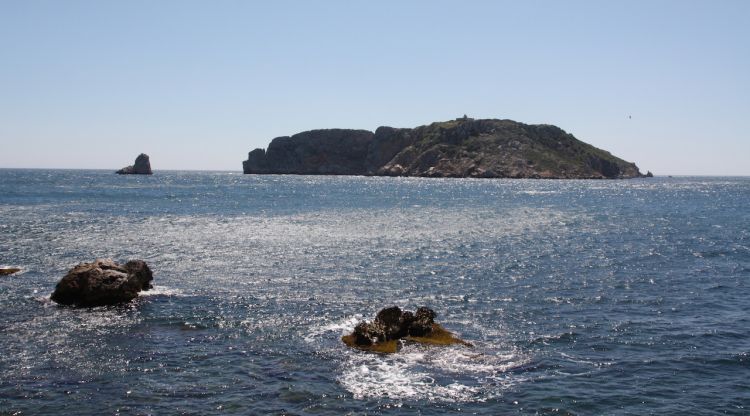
(459, 148)
(103, 282)
(316, 152)
(142, 166)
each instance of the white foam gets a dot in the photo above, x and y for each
(539, 192)
(161, 291)
(341, 327)
(438, 374)
(396, 377)
(461, 360)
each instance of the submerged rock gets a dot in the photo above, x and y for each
(392, 325)
(142, 166)
(4, 271)
(103, 282)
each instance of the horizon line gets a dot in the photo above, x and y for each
(682, 175)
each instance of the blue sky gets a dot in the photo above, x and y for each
(198, 84)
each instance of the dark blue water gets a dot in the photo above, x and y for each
(581, 297)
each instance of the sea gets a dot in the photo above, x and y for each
(580, 297)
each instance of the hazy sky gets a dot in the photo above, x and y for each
(198, 84)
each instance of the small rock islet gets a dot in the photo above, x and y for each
(392, 326)
(103, 282)
(142, 166)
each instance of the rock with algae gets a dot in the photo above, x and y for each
(391, 326)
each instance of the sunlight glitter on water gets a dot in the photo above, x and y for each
(581, 296)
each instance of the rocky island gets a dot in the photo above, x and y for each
(142, 166)
(459, 148)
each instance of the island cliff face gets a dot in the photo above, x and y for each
(459, 148)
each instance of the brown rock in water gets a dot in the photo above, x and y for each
(103, 282)
(4, 271)
(392, 324)
(423, 322)
(142, 166)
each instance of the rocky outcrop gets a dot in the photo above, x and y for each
(142, 166)
(316, 152)
(103, 282)
(392, 325)
(459, 148)
(4, 271)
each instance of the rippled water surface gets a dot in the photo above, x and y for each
(580, 297)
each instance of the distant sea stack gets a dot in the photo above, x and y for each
(142, 166)
(460, 148)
